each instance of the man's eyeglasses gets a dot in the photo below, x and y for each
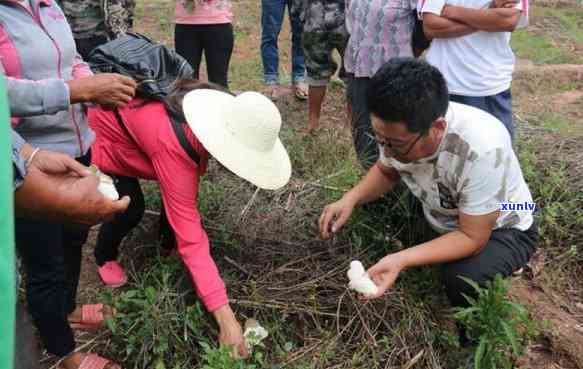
(395, 150)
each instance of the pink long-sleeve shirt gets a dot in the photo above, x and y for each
(160, 157)
(207, 12)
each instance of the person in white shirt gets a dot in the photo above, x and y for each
(471, 47)
(459, 163)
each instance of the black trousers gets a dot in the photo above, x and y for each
(86, 45)
(365, 146)
(507, 251)
(51, 256)
(111, 234)
(215, 40)
(26, 352)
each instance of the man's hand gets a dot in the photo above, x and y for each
(504, 3)
(385, 273)
(231, 333)
(65, 199)
(84, 204)
(109, 90)
(59, 188)
(335, 216)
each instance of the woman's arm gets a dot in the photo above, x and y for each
(29, 98)
(178, 178)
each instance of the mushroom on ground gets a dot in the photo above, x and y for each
(254, 333)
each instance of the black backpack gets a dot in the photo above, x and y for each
(153, 65)
(155, 68)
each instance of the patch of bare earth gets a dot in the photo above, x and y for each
(552, 28)
(559, 3)
(556, 88)
(562, 346)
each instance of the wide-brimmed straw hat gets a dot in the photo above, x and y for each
(242, 133)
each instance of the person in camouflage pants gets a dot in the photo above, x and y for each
(324, 31)
(94, 22)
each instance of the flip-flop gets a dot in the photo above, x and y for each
(300, 91)
(93, 361)
(272, 91)
(91, 318)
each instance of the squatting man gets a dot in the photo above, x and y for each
(459, 163)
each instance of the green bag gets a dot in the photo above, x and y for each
(7, 284)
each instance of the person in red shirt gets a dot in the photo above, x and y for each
(240, 132)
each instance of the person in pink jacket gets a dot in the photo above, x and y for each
(240, 132)
(205, 26)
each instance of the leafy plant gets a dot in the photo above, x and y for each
(220, 358)
(155, 326)
(499, 326)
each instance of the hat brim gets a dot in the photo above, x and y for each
(205, 114)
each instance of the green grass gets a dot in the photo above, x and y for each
(549, 46)
(540, 49)
(559, 204)
(571, 20)
(557, 122)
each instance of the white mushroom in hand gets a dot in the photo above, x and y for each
(359, 280)
(254, 333)
(106, 186)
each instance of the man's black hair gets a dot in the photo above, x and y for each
(410, 91)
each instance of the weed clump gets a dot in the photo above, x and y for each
(501, 328)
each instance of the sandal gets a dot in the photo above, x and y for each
(273, 92)
(301, 91)
(91, 318)
(112, 274)
(94, 361)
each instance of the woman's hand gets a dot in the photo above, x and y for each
(231, 333)
(385, 273)
(50, 162)
(110, 90)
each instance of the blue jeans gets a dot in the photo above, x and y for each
(271, 21)
(499, 105)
